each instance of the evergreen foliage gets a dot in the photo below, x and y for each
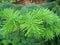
(38, 23)
(28, 26)
(53, 6)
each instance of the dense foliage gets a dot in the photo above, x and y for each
(53, 6)
(27, 25)
(30, 25)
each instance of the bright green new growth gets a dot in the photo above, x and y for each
(11, 25)
(41, 23)
(38, 23)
